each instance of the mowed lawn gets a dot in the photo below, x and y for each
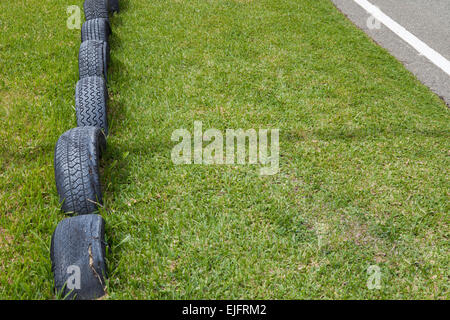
(364, 154)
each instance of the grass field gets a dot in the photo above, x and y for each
(364, 153)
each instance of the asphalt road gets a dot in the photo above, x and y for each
(427, 20)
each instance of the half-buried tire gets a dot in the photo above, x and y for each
(77, 253)
(91, 98)
(95, 29)
(77, 157)
(94, 9)
(93, 59)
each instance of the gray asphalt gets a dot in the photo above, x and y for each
(428, 20)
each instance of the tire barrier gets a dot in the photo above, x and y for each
(77, 156)
(77, 253)
(96, 29)
(91, 97)
(77, 248)
(93, 59)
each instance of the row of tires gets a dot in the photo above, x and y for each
(78, 244)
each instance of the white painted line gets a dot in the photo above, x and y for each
(432, 55)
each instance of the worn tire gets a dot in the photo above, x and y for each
(95, 29)
(93, 59)
(77, 252)
(113, 5)
(94, 9)
(91, 98)
(76, 162)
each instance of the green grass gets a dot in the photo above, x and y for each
(364, 154)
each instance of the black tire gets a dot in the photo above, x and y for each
(94, 9)
(93, 59)
(77, 251)
(77, 157)
(91, 98)
(95, 29)
(113, 5)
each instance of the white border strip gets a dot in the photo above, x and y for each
(432, 55)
